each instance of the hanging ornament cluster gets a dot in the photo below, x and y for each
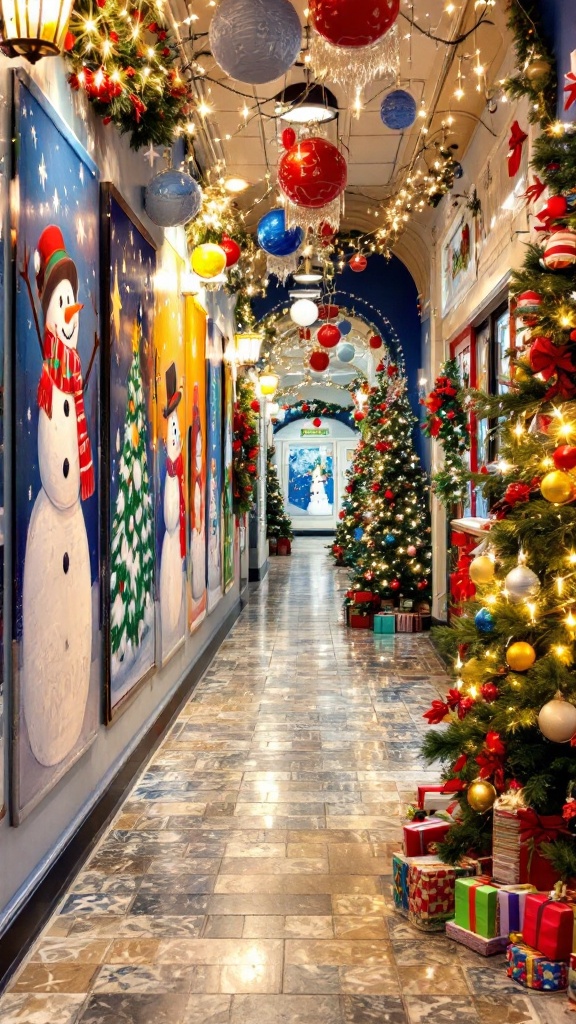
(172, 197)
(312, 175)
(255, 41)
(125, 59)
(354, 41)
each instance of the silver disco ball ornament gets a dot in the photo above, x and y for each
(255, 41)
(172, 197)
(522, 584)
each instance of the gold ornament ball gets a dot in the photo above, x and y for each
(558, 487)
(520, 656)
(208, 260)
(557, 720)
(537, 69)
(481, 569)
(481, 795)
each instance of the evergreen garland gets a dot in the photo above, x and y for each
(531, 43)
(313, 408)
(245, 447)
(447, 422)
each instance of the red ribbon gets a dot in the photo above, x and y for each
(534, 191)
(536, 829)
(515, 142)
(570, 90)
(472, 907)
(552, 360)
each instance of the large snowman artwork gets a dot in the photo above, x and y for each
(174, 543)
(56, 598)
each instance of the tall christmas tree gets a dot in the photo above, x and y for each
(278, 524)
(512, 711)
(132, 542)
(390, 554)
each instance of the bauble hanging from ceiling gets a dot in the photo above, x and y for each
(208, 260)
(232, 250)
(398, 110)
(328, 336)
(312, 175)
(357, 263)
(354, 41)
(172, 197)
(319, 360)
(275, 238)
(304, 312)
(346, 352)
(255, 41)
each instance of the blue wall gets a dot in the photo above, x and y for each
(559, 18)
(388, 286)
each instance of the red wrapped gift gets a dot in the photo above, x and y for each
(356, 621)
(364, 595)
(430, 796)
(420, 835)
(549, 926)
(518, 833)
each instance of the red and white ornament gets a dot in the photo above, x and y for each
(560, 250)
(528, 307)
(357, 263)
(312, 175)
(354, 41)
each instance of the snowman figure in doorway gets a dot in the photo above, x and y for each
(57, 587)
(318, 504)
(174, 543)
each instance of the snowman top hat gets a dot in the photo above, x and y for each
(173, 394)
(53, 265)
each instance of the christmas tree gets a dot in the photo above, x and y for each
(391, 552)
(278, 524)
(245, 446)
(132, 546)
(349, 530)
(447, 422)
(511, 713)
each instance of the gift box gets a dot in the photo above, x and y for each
(384, 623)
(511, 907)
(476, 905)
(420, 835)
(412, 622)
(572, 982)
(432, 798)
(517, 835)
(486, 947)
(360, 596)
(400, 867)
(431, 891)
(357, 621)
(549, 926)
(529, 968)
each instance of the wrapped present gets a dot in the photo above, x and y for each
(420, 835)
(518, 834)
(476, 905)
(572, 982)
(400, 866)
(431, 892)
(511, 906)
(486, 947)
(384, 622)
(358, 621)
(549, 926)
(412, 622)
(364, 595)
(529, 968)
(432, 798)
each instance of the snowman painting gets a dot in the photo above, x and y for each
(174, 542)
(319, 504)
(56, 596)
(196, 480)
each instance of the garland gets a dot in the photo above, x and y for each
(531, 46)
(447, 422)
(245, 447)
(312, 408)
(126, 60)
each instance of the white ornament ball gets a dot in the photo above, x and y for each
(522, 584)
(557, 720)
(304, 312)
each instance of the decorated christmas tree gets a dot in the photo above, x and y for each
(132, 542)
(447, 422)
(245, 446)
(391, 552)
(511, 712)
(278, 524)
(349, 529)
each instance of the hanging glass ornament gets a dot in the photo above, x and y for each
(328, 336)
(304, 312)
(172, 197)
(557, 720)
(255, 41)
(208, 260)
(232, 250)
(354, 41)
(521, 583)
(357, 263)
(275, 238)
(344, 326)
(319, 360)
(312, 176)
(346, 352)
(281, 267)
(398, 110)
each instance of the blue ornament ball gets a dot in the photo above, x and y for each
(275, 238)
(255, 41)
(358, 533)
(172, 197)
(344, 326)
(390, 538)
(398, 110)
(346, 352)
(484, 621)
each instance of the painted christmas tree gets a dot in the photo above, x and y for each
(391, 554)
(278, 524)
(132, 547)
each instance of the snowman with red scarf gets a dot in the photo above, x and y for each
(174, 542)
(57, 598)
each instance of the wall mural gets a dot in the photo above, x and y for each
(310, 480)
(128, 283)
(458, 261)
(227, 494)
(57, 595)
(214, 349)
(195, 338)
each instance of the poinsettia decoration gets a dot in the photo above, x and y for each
(245, 448)
(126, 60)
(447, 422)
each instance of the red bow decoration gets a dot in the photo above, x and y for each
(552, 360)
(489, 760)
(570, 90)
(536, 829)
(515, 142)
(534, 191)
(461, 586)
(437, 713)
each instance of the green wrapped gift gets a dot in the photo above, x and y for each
(476, 906)
(384, 623)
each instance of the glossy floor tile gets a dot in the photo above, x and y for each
(246, 879)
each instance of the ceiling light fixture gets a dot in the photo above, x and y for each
(301, 103)
(236, 184)
(308, 273)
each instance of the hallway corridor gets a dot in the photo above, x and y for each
(247, 878)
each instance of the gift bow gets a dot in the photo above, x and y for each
(570, 90)
(515, 142)
(551, 360)
(534, 191)
(536, 830)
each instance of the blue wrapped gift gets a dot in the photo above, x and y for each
(384, 622)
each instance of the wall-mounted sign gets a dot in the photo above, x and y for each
(314, 432)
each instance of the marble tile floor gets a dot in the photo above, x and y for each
(246, 879)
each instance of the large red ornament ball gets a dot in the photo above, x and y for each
(395, 585)
(319, 361)
(288, 138)
(557, 206)
(375, 341)
(353, 22)
(358, 416)
(255, 405)
(565, 457)
(560, 250)
(328, 335)
(232, 250)
(317, 422)
(357, 263)
(327, 311)
(312, 173)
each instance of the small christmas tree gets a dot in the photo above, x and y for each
(447, 422)
(245, 446)
(391, 551)
(132, 543)
(278, 524)
(349, 530)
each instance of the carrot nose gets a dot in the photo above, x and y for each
(70, 311)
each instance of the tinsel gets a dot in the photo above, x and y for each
(354, 67)
(282, 266)
(313, 217)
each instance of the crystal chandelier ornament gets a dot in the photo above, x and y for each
(354, 41)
